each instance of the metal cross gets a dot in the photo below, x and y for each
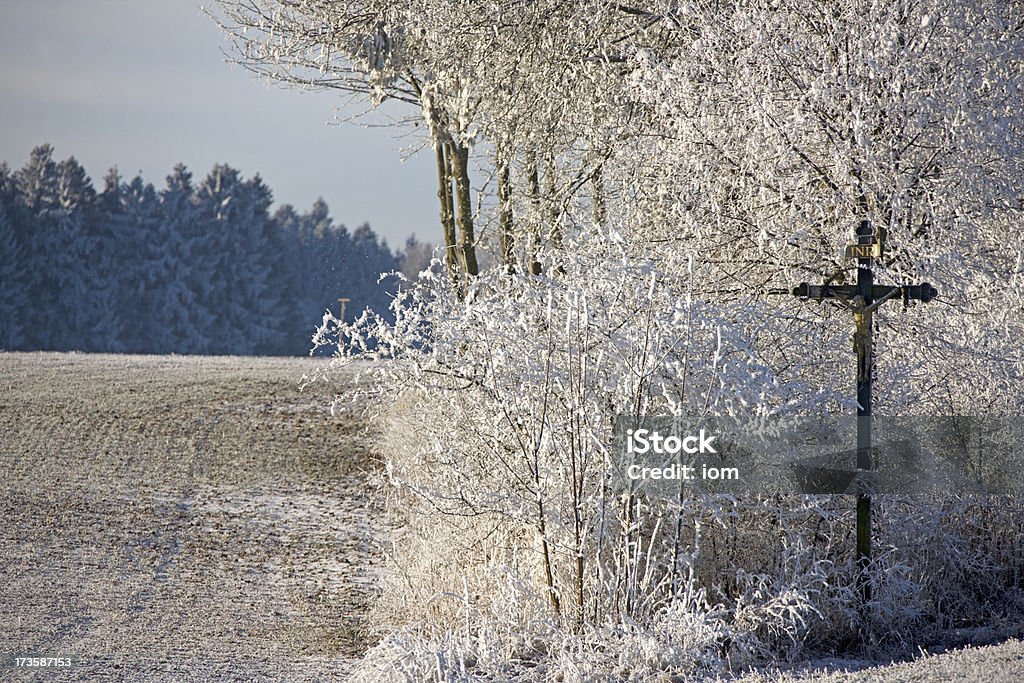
(863, 299)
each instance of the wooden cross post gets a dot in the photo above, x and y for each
(863, 299)
(343, 300)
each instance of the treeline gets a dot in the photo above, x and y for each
(194, 267)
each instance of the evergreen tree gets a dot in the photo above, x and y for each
(127, 266)
(75, 252)
(369, 266)
(218, 202)
(37, 202)
(293, 259)
(325, 253)
(12, 293)
(184, 322)
(13, 267)
(236, 216)
(258, 272)
(416, 257)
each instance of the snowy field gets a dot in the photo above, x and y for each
(179, 518)
(1002, 663)
(189, 518)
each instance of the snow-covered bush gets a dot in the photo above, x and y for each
(513, 556)
(503, 407)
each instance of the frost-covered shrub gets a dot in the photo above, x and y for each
(500, 419)
(513, 558)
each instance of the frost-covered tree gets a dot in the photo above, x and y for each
(235, 223)
(127, 266)
(258, 249)
(14, 266)
(295, 260)
(367, 260)
(416, 257)
(37, 197)
(317, 252)
(75, 251)
(181, 318)
(725, 150)
(779, 128)
(375, 51)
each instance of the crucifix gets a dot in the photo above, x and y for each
(863, 299)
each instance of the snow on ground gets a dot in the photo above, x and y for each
(1002, 663)
(169, 518)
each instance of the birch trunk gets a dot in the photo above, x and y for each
(506, 238)
(444, 195)
(533, 190)
(459, 155)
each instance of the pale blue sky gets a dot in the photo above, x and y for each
(143, 84)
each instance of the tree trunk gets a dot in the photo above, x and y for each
(533, 190)
(555, 231)
(444, 195)
(506, 239)
(597, 189)
(459, 155)
(549, 574)
(554, 214)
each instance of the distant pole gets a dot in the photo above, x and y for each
(343, 300)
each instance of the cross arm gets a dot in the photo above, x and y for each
(923, 292)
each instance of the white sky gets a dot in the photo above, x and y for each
(143, 84)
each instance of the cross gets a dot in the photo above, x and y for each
(343, 300)
(863, 299)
